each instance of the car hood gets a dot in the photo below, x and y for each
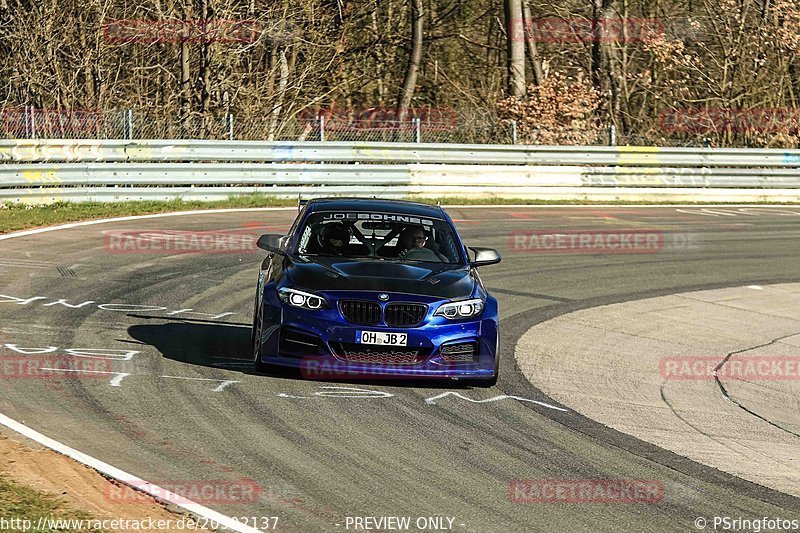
(428, 279)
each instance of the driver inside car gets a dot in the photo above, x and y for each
(412, 242)
(411, 238)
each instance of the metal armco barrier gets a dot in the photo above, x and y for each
(79, 170)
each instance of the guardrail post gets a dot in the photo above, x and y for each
(612, 135)
(321, 120)
(230, 126)
(418, 130)
(513, 132)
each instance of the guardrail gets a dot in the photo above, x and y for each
(53, 170)
(26, 150)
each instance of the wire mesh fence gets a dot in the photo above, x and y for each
(466, 127)
(423, 125)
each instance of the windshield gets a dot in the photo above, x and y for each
(379, 236)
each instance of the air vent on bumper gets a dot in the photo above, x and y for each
(461, 352)
(297, 343)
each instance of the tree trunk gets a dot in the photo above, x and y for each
(414, 60)
(605, 62)
(380, 64)
(515, 49)
(530, 41)
(204, 78)
(597, 51)
(185, 89)
(283, 83)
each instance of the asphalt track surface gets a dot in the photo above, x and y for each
(320, 452)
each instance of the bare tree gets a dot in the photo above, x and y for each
(530, 41)
(515, 42)
(734, 62)
(414, 60)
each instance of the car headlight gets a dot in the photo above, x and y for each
(302, 299)
(462, 309)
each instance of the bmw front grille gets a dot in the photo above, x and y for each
(368, 313)
(402, 314)
(361, 312)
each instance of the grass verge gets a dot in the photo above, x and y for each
(21, 507)
(14, 217)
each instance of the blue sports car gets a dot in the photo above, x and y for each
(367, 288)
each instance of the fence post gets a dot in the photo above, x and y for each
(321, 119)
(418, 130)
(26, 120)
(128, 124)
(513, 132)
(33, 123)
(230, 126)
(612, 135)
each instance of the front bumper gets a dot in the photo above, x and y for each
(322, 345)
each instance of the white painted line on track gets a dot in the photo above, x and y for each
(19, 265)
(432, 400)
(127, 479)
(115, 382)
(224, 382)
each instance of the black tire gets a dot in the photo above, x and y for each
(258, 323)
(255, 315)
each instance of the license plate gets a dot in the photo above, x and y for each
(381, 338)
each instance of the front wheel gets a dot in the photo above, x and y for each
(258, 323)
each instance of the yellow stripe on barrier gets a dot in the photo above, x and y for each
(637, 156)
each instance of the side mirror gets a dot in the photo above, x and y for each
(272, 242)
(485, 256)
